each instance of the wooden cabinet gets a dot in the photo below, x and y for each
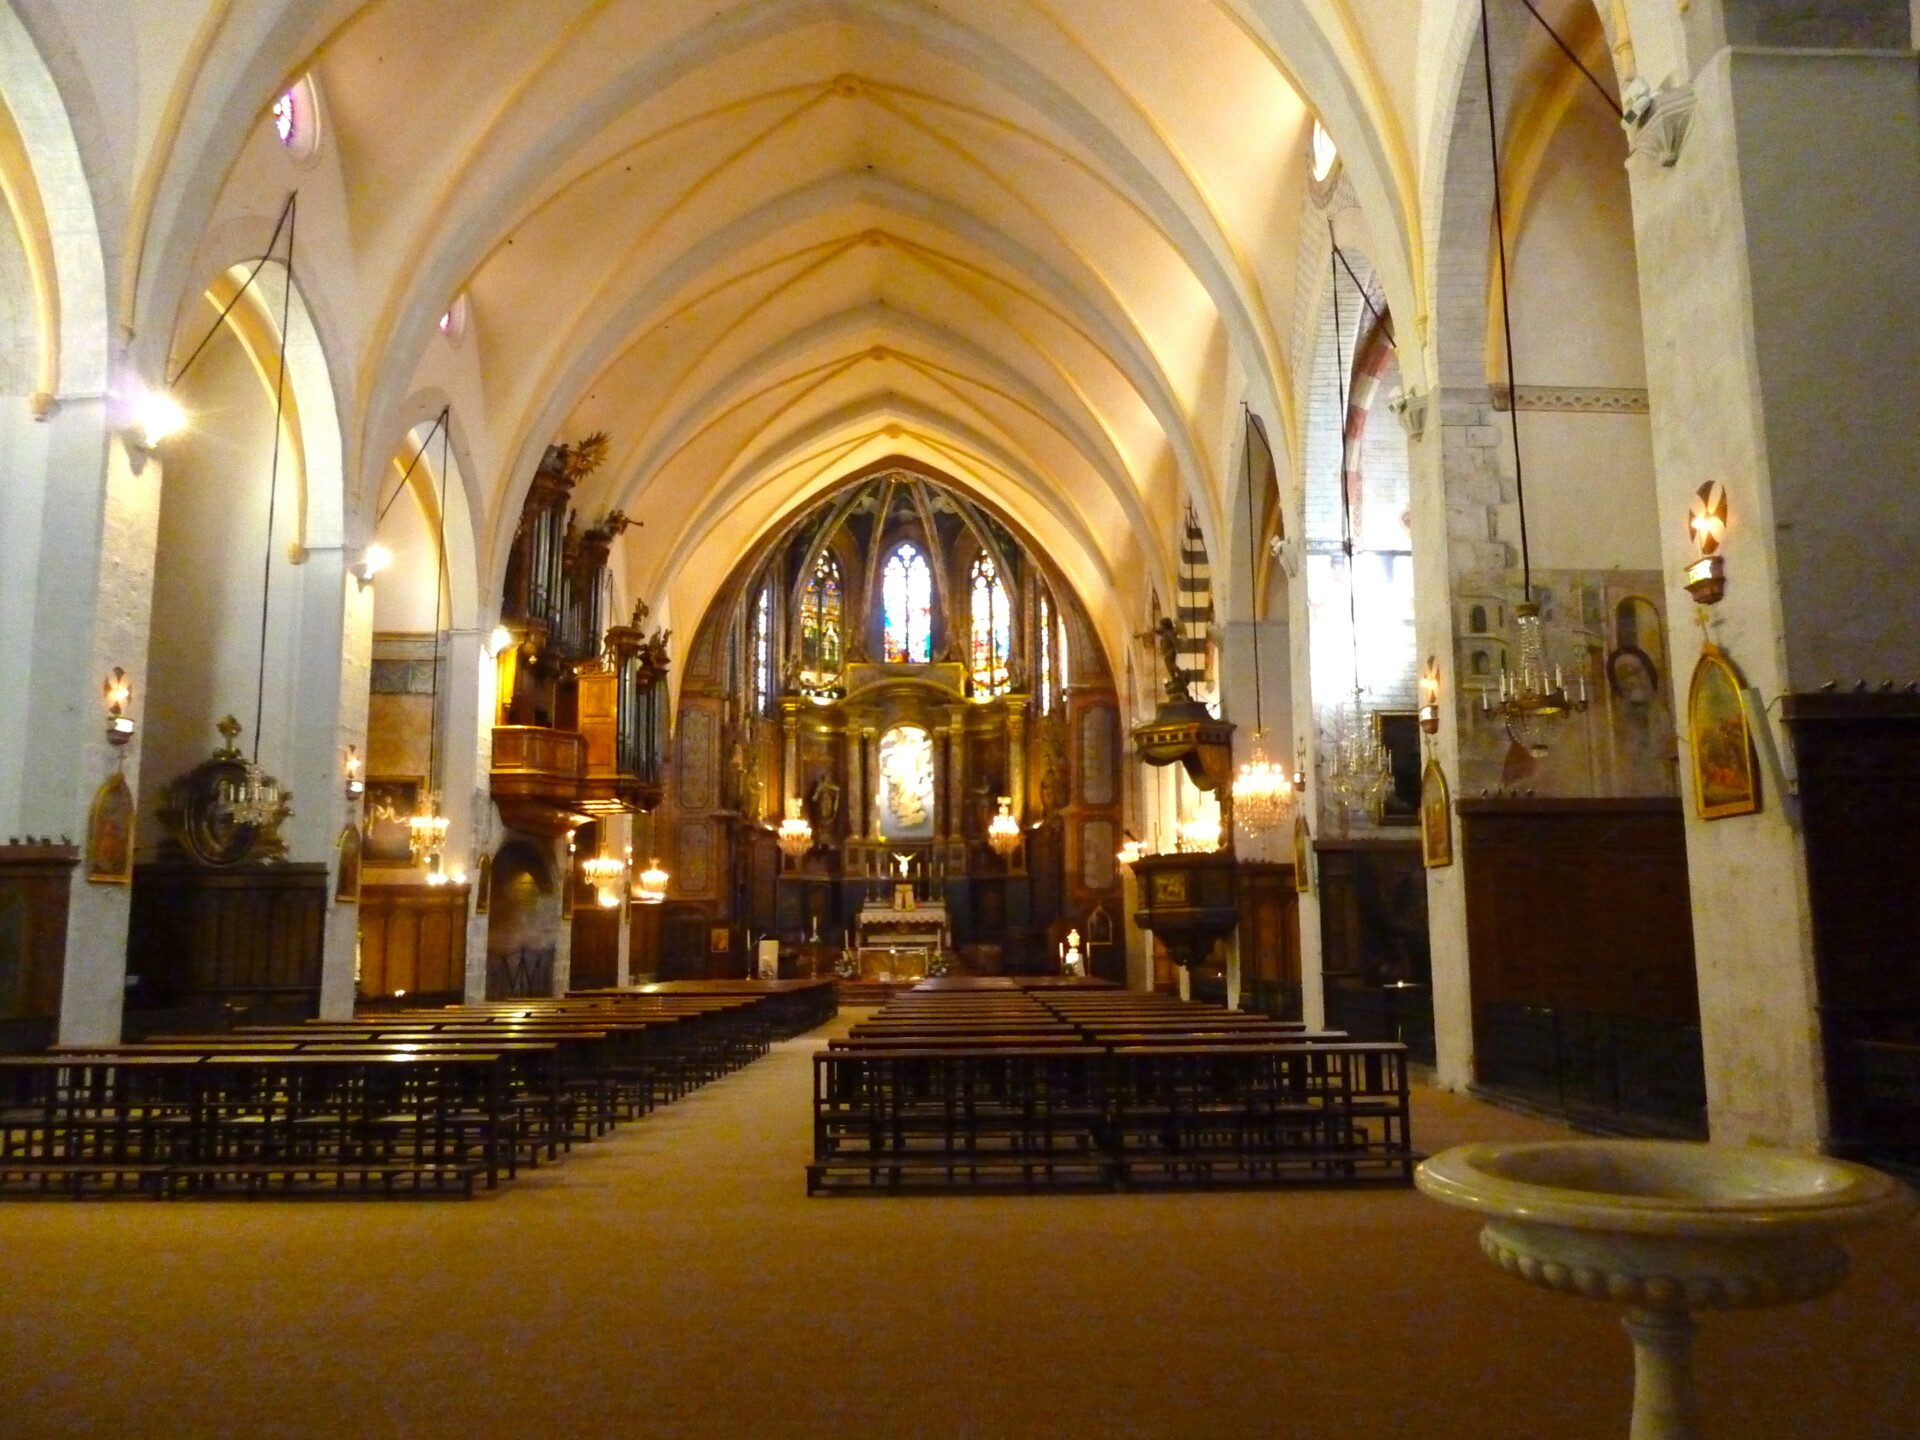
(1580, 929)
(35, 881)
(413, 939)
(207, 944)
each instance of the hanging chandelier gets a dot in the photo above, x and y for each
(427, 830)
(1359, 770)
(1262, 792)
(795, 835)
(1531, 692)
(1003, 831)
(427, 834)
(604, 874)
(651, 888)
(252, 798)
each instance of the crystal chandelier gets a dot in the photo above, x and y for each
(795, 835)
(427, 834)
(604, 874)
(1197, 837)
(1359, 771)
(1262, 792)
(652, 887)
(1529, 692)
(252, 798)
(1003, 831)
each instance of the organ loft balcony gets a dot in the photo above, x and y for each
(582, 721)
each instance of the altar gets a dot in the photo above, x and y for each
(900, 941)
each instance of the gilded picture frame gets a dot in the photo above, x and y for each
(1302, 855)
(346, 883)
(1726, 772)
(110, 825)
(1436, 817)
(483, 886)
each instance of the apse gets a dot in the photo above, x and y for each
(874, 683)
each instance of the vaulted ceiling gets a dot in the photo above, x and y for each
(1045, 246)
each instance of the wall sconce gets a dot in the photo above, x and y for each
(498, 642)
(119, 692)
(1300, 768)
(356, 785)
(372, 561)
(156, 415)
(1706, 577)
(1430, 697)
(1131, 852)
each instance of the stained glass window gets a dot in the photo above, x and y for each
(822, 624)
(760, 647)
(1043, 661)
(285, 120)
(906, 599)
(992, 630)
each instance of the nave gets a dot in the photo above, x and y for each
(672, 1279)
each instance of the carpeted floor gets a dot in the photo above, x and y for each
(673, 1280)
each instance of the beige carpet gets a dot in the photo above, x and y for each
(673, 1280)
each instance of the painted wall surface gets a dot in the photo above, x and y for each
(210, 569)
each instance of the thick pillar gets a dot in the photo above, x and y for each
(92, 598)
(1773, 216)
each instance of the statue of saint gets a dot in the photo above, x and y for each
(1167, 636)
(824, 801)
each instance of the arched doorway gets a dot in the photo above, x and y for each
(524, 905)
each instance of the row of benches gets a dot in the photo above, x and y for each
(956, 1091)
(425, 1102)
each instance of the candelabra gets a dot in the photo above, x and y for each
(1529, 692)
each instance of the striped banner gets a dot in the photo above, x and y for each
(1194, 612)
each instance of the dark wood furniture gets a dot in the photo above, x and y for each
(972, 1087)
(1581, 933)
(35, 881)
(413, 941)
(205, 944)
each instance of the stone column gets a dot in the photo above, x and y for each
(81, 609)
(1773, 217)
(1017, 757)
(620, 843)
(563, 866)
(863, 740)
(789, 755)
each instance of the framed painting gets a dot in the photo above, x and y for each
(1436, 817)
(719, 940)
(391, 802)
(1398, 733)
(110, 833)
(1726, 780)
(346, 884)
(1302, 853)
(483, 886)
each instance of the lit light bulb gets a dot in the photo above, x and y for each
(158, 415)
(498, 641)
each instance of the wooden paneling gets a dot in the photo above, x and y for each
(1581, 939)
(251, 936)
(413, 938)
(595, 961)
(1580, 905)
(34, 884)
(1269, 938)
(1859, 765)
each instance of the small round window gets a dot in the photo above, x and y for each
(295, 115)
(453, 324)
